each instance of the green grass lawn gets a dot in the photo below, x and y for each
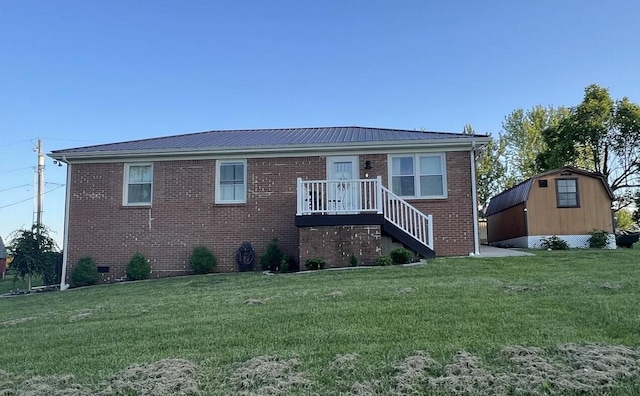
(366, 331)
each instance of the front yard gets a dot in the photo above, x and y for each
(558, 322)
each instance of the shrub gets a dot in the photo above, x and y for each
(401, 256)
(202, 260)
(85, 273)
(138, 268)
(554, 243)
(272, 258)
(353, 261)
(288, 264)
(384, 260)
(598, 239)
(315, 264)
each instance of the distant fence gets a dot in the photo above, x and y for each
(482, 231)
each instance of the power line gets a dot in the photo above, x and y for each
(17, 142)
(13, 188)
(15, 170)
(29, 199)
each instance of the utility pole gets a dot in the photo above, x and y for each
(40, 185)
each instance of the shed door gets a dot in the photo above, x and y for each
(342, 174)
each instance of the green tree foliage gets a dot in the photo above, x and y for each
(624, 219)
(522, 133)
(491, 170)
(601, 135)
(34, 253)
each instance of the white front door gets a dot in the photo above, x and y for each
(343, 196)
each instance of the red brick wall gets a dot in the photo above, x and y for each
(184, 215)
(336, 244)
(453, 216)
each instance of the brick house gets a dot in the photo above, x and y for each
(323, 192)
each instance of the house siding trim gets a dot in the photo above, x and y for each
(391, 147)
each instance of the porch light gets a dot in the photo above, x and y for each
(367, 164)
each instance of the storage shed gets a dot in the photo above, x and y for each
(567, 202)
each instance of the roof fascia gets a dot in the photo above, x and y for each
(277, 151)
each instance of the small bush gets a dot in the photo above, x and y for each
(288, 264)
(85, 273)
(272, 258)
(353, 261)
(384, 260)
(138, 268)
(401, 256)
(598, 239)
(554, 243)
(315, 264)
(202, 260)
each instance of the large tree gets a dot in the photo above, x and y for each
(522, 132)
(599, 134)
(34, 254)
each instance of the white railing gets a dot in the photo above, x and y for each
(403, 215)
(338, 196)
(363, 196)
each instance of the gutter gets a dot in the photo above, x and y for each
(474, 199)
(65, 240)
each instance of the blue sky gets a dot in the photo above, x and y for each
(82, 72)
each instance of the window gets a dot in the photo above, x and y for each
(138, 184)
(231, 181)
(418, 176)
(567, 193)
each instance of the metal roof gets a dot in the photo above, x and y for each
(509, 198)
(268, 138)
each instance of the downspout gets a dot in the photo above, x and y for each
(65, 240)
(474, 198)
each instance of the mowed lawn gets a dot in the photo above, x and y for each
(437, 328)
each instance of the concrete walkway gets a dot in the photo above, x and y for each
(490, 251)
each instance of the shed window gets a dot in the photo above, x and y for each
(567, 193)
(231, 181)
(138, 184)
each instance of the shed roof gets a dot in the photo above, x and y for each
(267, 138)
(520, 192)
(509, 198)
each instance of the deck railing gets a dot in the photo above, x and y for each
(338, 196)
(405, 216)
(363, 196)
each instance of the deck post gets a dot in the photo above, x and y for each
(430, 220)
(299, 195)
(379, 194)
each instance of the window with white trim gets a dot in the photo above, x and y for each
(138, 184)
(418, 175)
(231, 181)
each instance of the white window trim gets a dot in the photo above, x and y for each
(125, 187)
(218, 200)
(416, 174)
